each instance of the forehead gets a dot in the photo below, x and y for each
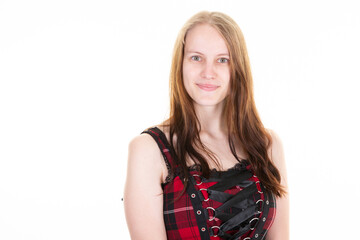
(205, 39)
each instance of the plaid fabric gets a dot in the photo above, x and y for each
(179, 215)
(208, 209)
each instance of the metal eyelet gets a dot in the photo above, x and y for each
(198, 212)
(197, 175)
(204, 189)
(259, 190)
(260, 200)
(211, 208)
(203, 229)
(217, 228)
(193, 195)
(255, 218)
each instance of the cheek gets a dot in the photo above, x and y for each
(224, 75)
(186, 69)
(188, 73)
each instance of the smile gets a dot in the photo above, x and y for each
(207, 87)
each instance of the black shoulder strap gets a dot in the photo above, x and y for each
(164, 146)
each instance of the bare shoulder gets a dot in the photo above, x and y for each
(145, 143)
(143, 181)
(142, 144)
(276, 147)
(144, 154)
(143, 150)
(280, 227)
(277, 143)
(276, 153)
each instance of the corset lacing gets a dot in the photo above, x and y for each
(233, 200)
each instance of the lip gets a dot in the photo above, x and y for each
(207, 87)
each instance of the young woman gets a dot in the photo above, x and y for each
(210, 171)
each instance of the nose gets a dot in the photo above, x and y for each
(208, 71)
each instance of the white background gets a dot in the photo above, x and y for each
(80, 79)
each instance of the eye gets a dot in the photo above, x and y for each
(223, 60)
(195, 58)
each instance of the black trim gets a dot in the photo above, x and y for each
(197, 205)
(157, 138)
(268, 196)
(167, 144)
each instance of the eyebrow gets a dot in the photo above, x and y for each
(197, 52)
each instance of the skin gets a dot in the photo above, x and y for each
(205, 62)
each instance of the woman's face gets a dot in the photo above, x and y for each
(206, 67)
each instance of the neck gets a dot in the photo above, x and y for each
(211, 120)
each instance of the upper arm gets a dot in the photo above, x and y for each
(143, 196)
(280, 227)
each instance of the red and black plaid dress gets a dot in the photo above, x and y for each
(229, 205)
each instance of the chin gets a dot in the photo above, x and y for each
(208, 103)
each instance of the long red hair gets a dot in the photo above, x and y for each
(242, 119)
